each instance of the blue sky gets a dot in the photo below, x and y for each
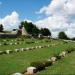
(25, 8)
(56, 15)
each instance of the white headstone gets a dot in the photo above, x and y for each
(7, 51)
(17, 74)
(53, 59)
(31, 69)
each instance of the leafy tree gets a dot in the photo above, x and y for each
(73, 38)
(62, 35)
(1, 27)
(35, 31)
(45, 32)
(30, 28)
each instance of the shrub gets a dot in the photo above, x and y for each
(39, 65)
(5, 43)
(47, 63)
(69, 50)
(17, 42)
(32, 42)
(1, 52)
(28, 42)
(57, 56)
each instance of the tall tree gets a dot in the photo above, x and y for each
(1, 27)
(45, 32)
(30, 28)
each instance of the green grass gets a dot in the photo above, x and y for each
(18, 62)
(62, 67)
(22, 45)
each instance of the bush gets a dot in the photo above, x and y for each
(32, 42)
(5, 43)
(28, 42)
(39, 65)
(57, 56)
(1, 52)
(47, 63)
(69, 50)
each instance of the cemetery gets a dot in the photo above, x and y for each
(37, 37)
(19, 57)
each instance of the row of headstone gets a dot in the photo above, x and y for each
(54, 58)
(32, 70)
(22, 49)
(16, 43)
(5, 43)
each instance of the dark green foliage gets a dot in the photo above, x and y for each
(73, 39)
(47, 63)
(30, 28)
(45, 32)
(69, 50)
(1, 27)
(5, 43)
(1, 52)
(39, 65)
(62, 35)
(28, 42)
(57, 56)
(35, 31)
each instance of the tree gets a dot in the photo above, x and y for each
(1, 27)
(35, 31)
(62, 35)
(45, 32)
(73, 39)
(30, 28)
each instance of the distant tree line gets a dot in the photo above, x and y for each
(33, 30)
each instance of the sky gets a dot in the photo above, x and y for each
(56, 15)
(25, 8)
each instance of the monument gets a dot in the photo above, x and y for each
(24, 32)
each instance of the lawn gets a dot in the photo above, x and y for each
(62, 67)
(18, 62)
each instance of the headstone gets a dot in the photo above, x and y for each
(22, 49)
(16, 50)
(27, 48)
(0, 44)
(62, 54)
(53, 59)
(40, 47)
(10, 43)
(36, 47)
(1, 52)
(31, 70)
(17, 74)
(7, 51)
(15, 43)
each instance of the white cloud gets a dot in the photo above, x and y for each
(28, 20)
(61, 17)
(10, 21)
